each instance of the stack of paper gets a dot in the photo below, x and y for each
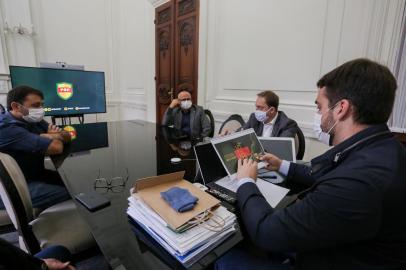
(189, 246)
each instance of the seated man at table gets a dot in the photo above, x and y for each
(267, 120)
(186, 117)
(350, 213)
(26, 137)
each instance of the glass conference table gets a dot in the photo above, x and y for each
(126, 151)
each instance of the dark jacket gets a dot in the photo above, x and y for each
(352, 216)
(284, 126)
(14, 258)
(199, 123)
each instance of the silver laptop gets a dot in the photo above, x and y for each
(239, 145)
(282, 147)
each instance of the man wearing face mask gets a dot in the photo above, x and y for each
(349, 213)
(26, 137)
(187, 117)
(267, 121)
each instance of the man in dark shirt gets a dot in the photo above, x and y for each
(28, 138)
(350, 212)
(186, 117)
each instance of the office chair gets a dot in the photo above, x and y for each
(232, 124)
(209, 115)
(2, 109)
(300, 144)
(60, 224)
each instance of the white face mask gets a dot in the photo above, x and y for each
(261, 116)
(322, 136)
(186, 104)
(34, 115)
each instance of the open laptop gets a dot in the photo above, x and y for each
(282, 147)
(211, 169)
(241, 145)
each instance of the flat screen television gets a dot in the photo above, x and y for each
(66, 92)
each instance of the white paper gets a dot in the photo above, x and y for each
(273, 194)
(179, 243)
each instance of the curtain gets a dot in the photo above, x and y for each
(397, 122)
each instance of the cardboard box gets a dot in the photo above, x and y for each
(150, 188)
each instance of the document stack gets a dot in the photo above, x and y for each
(189, 246)
(186, 239)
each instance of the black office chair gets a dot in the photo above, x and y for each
(300, 144)
(2, 109)
(209, 115)
(232, 124)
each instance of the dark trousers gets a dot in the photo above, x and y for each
(47, 191)
(60, 253)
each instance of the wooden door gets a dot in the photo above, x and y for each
(176, 31)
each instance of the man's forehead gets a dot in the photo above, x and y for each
(184, 94)
(321, 96)
(31, 98)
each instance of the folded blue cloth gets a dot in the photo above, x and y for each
(179, 199)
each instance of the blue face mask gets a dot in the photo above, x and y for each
(261, 115)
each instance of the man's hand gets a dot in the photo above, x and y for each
(53, 129)
(54, 264)
(247, 168)
(175, 102)
(274, 163)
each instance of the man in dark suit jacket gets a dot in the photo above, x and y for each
(190, 119)
(350, 213)
(267, 121)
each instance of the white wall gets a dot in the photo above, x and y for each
(244, 47)
(114, 36)
(286, 46)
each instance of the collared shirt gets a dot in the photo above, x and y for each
(22, 141)
(268, 127)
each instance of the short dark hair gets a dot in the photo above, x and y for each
(271, 99)
(369, 86)
(19, 93)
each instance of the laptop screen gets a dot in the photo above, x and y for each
(284, 148)
(236, 146)
(210, 165)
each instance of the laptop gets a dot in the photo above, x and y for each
(244, 144)
(239, 145)
(281, 147)
(211, 170)
(284, 148)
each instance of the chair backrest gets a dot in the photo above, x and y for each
(17, 200)
(232, 124)
(2, 109)
(300, 144)
(209, 115)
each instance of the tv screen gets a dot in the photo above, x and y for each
(66, 92)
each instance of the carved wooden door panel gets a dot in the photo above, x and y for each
(176, 30)
(164, 54)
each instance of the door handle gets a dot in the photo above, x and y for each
(171, 93)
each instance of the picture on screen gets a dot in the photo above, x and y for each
(66, 92)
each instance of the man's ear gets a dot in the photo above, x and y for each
(14, 106)
(343, 109)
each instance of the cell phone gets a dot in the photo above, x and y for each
(93, 201)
